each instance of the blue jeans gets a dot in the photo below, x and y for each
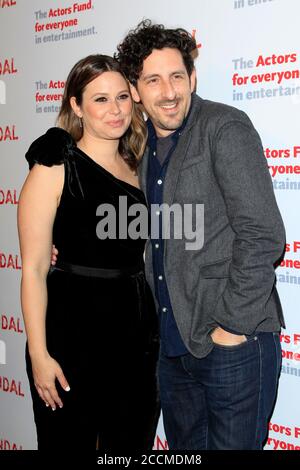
(222, 401)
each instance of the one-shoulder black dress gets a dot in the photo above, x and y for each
(101, 324)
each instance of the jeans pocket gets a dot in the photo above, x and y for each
(249, 340)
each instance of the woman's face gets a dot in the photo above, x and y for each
(106, 107)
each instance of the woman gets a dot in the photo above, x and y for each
(90, 320)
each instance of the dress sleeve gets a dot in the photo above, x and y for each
(51, 148)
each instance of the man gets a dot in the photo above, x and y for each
(219, 310)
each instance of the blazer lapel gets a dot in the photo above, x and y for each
(177, 158)
(180, 151)
(174, 166)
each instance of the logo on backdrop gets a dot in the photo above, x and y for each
(282, 433)
(8, 133)
(7, 68)
(11, 386)
(283, 437)
(5, 444)
(290, 345)
(280, 71)
(10, 323)
(7, 3)
(62, 24)
(48, 96)
(160, 444)
(291, 262)
(194, 33)
(10, 261)
(8, 196)
(284, 161)
(238, 4)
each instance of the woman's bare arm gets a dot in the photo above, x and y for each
(38, 203)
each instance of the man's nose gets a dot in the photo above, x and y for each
(168, 90)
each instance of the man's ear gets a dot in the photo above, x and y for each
(75, 107)
(134, 93)
(193, 79)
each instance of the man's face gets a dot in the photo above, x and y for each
(164, 88)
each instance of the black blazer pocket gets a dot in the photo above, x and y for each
(217, 269)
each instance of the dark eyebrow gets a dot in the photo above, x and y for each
(106, 94)
(154, 75)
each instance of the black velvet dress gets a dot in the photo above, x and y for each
(101, 324)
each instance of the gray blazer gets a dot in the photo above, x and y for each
(230, 281)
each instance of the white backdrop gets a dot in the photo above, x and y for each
(249, 57)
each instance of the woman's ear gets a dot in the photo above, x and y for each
(75, 107)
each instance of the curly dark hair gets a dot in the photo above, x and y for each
(140, 42)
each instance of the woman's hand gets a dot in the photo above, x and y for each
(45, 371)
(54, 255)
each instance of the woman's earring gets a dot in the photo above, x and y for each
(80, 121)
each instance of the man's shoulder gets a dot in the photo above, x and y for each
(215, 113)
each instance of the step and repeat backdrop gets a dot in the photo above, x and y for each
(249, 57)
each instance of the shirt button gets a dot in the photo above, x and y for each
(156, 245)
(154, 153)
(159, 182)
(164, 309)
(160, 277)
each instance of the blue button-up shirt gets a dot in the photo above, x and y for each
(171, 342)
